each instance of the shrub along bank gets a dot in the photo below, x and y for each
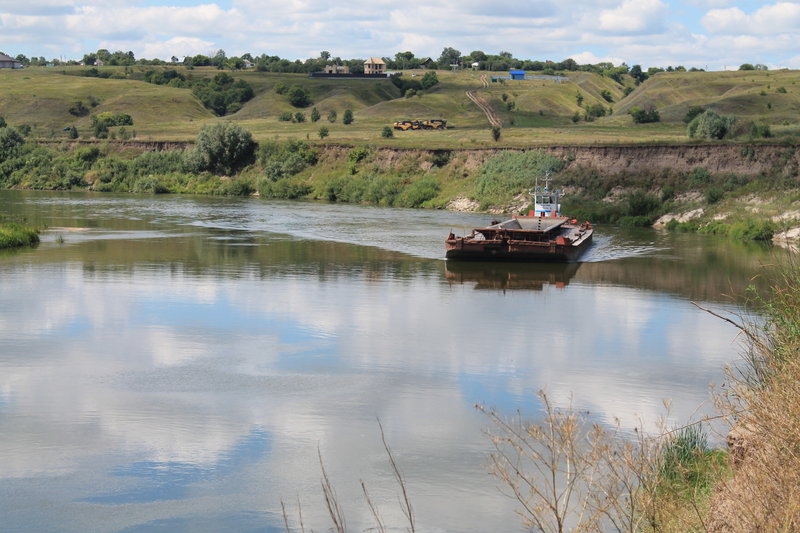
(226, 161)
(14, 235)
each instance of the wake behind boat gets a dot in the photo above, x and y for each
(542, 235)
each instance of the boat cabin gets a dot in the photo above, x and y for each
(546, 203)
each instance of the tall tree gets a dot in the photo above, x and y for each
(450, 56)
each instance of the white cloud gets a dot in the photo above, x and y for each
(584, 58)
(647, 32)
(634, 16)
(783, 17)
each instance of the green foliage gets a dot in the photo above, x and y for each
(594, 111)
(323, 132)
(760, 130)
(640, 203)
(606, 95)
(626, 91)
(781, 90)
(109, 119)
(710, 125)
(418, 192)
(406, 84)
(285, 116)
(746, 66)
(683, 227)
(299, 117)
(332, 116)
(298, 96)
(315, 115)
(714, 195)
(410, 93)
(222, 94)
(78, 109)
(745, 230)
(641, 116)
(73, 132)
(283, 160)
(14, 235)
(3, 122)
(429, 80)
(576, 117)
(387, 132)
(224, 147)
(579, 99)
(682, 459)
(510, 173)
(376, 189)
(281, 88)
(358, 154)
(496, 133)
(698, 177)
(285, 189)
(10, 142)
(347, 118)
(169, 77)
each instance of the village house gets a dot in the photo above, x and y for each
(9, 62)
(374, 65)
(336, 69)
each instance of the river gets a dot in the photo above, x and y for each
(177, 363)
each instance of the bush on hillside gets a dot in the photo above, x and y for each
(347, 117)
(429, 80)
(109, 119)
(224, 147)
(221, 93)
(642, 116)
(298, 96)
(710, 125)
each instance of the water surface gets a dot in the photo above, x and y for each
(175, 363)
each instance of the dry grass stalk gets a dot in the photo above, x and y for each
(405, 503)
(331, 502)
(569, 474)
(373, 509)
(550, 468)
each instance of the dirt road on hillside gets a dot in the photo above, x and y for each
(491, 116)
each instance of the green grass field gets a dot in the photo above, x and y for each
(542, 109)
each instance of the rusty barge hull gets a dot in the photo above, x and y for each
(523, 239)
(523, 251)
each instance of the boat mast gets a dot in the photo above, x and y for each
(546, 202)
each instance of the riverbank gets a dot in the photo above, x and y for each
(745, 191)
(13, 235)
(762, 403)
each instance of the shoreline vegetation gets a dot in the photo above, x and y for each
(225, 160)
(15, 235)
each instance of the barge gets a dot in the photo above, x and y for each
(541, 236)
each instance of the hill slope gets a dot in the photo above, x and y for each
(533, 111)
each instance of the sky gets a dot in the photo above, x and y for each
(709, 34)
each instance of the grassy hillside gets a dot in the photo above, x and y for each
(754, 95)
(533, 111)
